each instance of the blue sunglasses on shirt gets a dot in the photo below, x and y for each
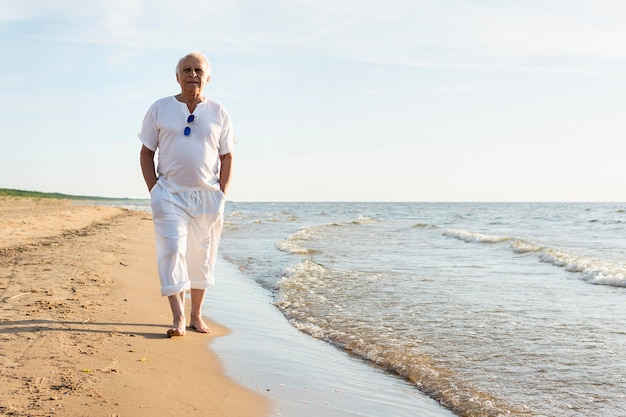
(187, 130)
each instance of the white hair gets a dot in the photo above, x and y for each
(194, 55)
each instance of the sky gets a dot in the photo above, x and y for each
(401, 100)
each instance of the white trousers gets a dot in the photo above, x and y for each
(188, 227)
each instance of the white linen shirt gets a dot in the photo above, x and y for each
(188, 163)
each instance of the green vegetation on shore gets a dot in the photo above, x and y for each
(7, 192)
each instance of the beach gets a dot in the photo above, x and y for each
(82, 323)
(319, 309)
(82, 329)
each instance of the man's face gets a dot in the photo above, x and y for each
(192, 76)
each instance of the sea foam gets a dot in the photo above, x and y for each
(595, 271)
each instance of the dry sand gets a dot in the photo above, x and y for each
(82, 323)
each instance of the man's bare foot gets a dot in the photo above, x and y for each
(199, 325)
(175, 332)
(178, 329)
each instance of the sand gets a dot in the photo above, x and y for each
(82, 323)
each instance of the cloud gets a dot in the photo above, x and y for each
(451, 34)
(327, 30)
(479, 37)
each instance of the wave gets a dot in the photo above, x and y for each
(242, 217)
(595, 271)
(303, 297)
(424, 226)
(288, 246)
(294, 243)
(364, 220)
(474, 237)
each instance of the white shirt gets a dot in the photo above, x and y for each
(188, 163)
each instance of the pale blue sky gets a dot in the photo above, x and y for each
(402, 100)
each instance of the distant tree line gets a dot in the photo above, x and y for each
(7, 192)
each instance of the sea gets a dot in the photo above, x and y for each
(488, 309)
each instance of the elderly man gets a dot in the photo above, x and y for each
(195, 140)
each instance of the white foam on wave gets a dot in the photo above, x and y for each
(363, 219)
(595, 271)
(524, 246)
(475, 237)
(309, 296)
(293, 243)
(297, 284)
(289, 246)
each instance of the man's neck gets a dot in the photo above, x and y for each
(190, 98)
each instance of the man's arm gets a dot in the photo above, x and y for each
(225, 170)
(146, 159)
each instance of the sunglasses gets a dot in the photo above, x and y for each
(187, 130)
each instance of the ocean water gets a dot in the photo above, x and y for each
(515, 309)
(491, 309)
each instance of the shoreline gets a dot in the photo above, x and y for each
(82, 323)
(301, 375)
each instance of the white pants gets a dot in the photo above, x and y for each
(188, 227)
